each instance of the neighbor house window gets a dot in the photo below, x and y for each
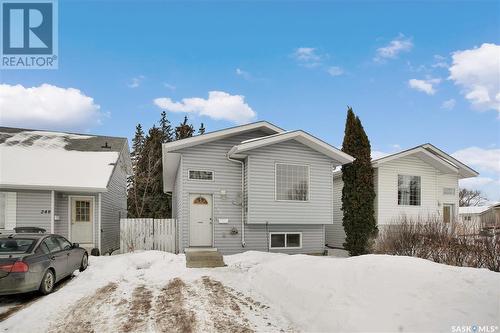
(285, 240)
(292, 182)
(201, 175)
(449, 191)
(409, 190)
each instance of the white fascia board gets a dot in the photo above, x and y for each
(51, 187)
(208, 137)
(171, 163)
(300, 136)
(464, 170)
(422, 153)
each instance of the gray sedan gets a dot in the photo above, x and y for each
(30, 262)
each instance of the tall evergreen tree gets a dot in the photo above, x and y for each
(201, 131)
(132, 183)
(184, 130)
(166, 128)
(358, 193)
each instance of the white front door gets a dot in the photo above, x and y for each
(82, 219)
(200, 220)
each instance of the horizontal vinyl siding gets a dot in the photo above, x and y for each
(335, 234)
(257, 237)
(263, 208)
(113, 207)
(29, 209)
(227, 176)
(62, 209)
(387, 199)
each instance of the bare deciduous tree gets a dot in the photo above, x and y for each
(467, 198)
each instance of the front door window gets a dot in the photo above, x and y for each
(447, 213)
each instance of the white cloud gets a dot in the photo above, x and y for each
(394, 48)
(244, 74)
(375, 154)
(308, 57)
(487, 160)
(335, 71)
(440, 62)
(219, 105)
(477, 72)
(47, 106)
(449, 104)
(136, 81)
(426, 86)
(169, 86)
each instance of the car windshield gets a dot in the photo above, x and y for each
(8, 245)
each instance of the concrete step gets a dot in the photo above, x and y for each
(199, 259)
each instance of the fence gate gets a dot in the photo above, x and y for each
(147, 234)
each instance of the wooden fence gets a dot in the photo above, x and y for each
(147, 234)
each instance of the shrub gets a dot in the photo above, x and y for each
(455, 244)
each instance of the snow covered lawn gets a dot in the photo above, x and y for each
(154, 291)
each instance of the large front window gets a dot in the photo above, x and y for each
(292, 182)
(408, 190)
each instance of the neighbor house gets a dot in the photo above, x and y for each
(70, 184)
(252, 187)
(418, 183)
(481, 216)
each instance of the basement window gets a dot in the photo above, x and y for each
(285, 240)
(201, 175)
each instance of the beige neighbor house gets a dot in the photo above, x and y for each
(481, 216)
(419, 183)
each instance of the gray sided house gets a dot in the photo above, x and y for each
(74, 185)
(252, 187)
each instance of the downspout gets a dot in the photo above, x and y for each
(242, 199)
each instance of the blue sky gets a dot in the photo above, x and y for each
(296, 64)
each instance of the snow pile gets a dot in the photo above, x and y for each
(373, 292)
(39, 159)
(301, 293)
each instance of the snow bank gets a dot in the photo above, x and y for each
(370, 293)
(373, 292)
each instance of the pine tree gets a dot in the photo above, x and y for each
(184, 130)
(166, 128)
(358, 193)
(135, 155)
(201, 131)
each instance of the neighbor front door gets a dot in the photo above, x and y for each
(200, 220)
(82, 219)
(447, 213)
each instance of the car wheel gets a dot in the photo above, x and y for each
(85, 262)
(48, 282)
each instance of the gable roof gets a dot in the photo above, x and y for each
(34, 159)
(300, 136)
(435, 157)
(221, 134)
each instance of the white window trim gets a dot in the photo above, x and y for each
(449, 188)
(308, 182)
(70, 216)
(286, 247)
(397, 190)
(201, 180)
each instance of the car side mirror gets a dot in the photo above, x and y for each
(76, 245)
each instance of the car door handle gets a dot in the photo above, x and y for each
(68, 254)
(52, 258)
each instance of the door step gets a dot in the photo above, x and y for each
(202, 259)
